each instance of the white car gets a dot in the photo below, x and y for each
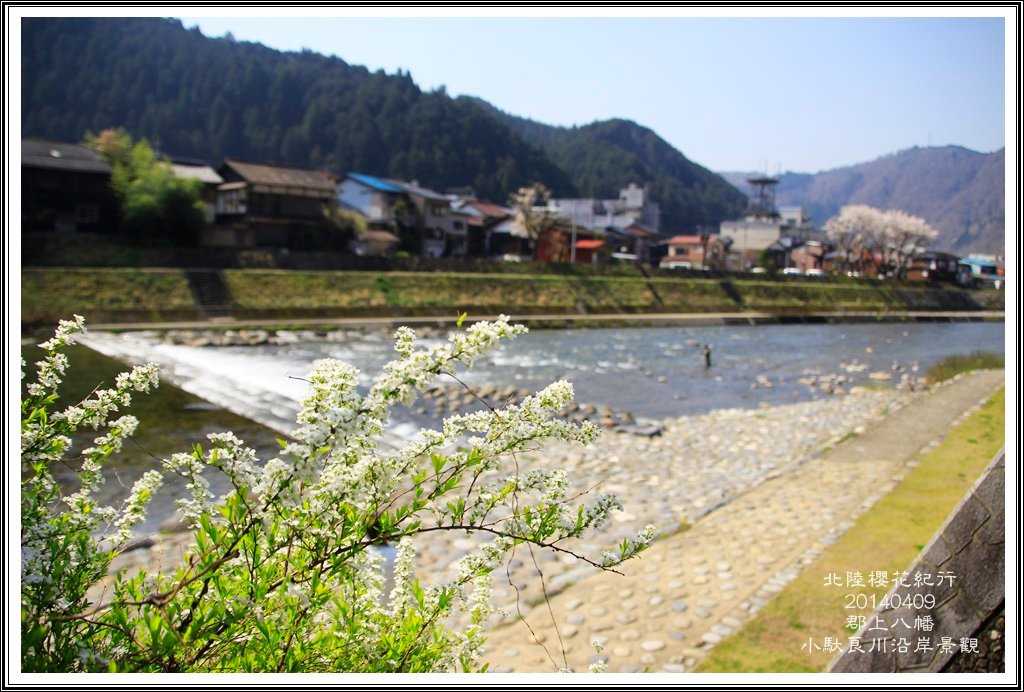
(815, 272)
(791, 270)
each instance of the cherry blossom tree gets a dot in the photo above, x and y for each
(884, 240)
(528, 204)
(900, 238)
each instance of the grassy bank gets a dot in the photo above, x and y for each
(120, 295)
(954, 365)
(129, 294)
(892, 533)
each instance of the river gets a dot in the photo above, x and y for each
(653, 373)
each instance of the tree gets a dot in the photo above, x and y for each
(285, 574)
(156, 205)
(887, 240)
(347, 226)
(851, 232)
(529, 206)
(901, 237)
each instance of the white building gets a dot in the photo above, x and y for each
(633, 206)
(402, 205)
(752, 235)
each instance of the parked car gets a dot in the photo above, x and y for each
(675, 264)
(815, 272)
(790, 271)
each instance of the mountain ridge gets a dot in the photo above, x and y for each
(958, 190)
(211, 98)
(192, 95)
(605, 155)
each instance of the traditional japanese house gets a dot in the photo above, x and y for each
(65, 188)
(264, 205)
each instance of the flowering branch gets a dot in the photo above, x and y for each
(285, 574)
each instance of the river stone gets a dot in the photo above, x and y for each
(652, 645)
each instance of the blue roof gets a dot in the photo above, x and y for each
(978, 262)
(375, 183)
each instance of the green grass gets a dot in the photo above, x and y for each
(889, 536)
(51, 294)
(955, 365)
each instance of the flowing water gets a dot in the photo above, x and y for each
(651, 372)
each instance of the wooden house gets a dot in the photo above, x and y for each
(264, 205)
(65, 188)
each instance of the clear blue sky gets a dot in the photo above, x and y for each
(803, 94)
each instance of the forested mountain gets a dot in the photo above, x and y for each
(959, 191)
(604, 156)
(209, 98)
(202, 97)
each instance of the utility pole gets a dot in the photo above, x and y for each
(572, 248)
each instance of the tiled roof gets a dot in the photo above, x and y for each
(684, 240)
(202, 173)
(61, 156)
(587, 244)
(490, 209)
(414, 189)
(267, 174)
(638, 229)
(379, 236)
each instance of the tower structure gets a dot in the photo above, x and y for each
(761, 204)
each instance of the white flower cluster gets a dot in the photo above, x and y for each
(190, 467)
(135, 506)
(84, 533)
(336, 492)
(630, 547)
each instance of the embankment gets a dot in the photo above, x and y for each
(153, 295)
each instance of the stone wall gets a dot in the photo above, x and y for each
(989, 657)
(952, 597)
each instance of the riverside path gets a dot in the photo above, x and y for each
(693, 589)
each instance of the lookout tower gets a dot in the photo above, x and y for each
(761, 204)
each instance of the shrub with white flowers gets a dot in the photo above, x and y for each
(284, 574)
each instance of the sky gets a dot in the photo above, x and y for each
(771, 94)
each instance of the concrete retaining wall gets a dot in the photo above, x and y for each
(965, 565)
